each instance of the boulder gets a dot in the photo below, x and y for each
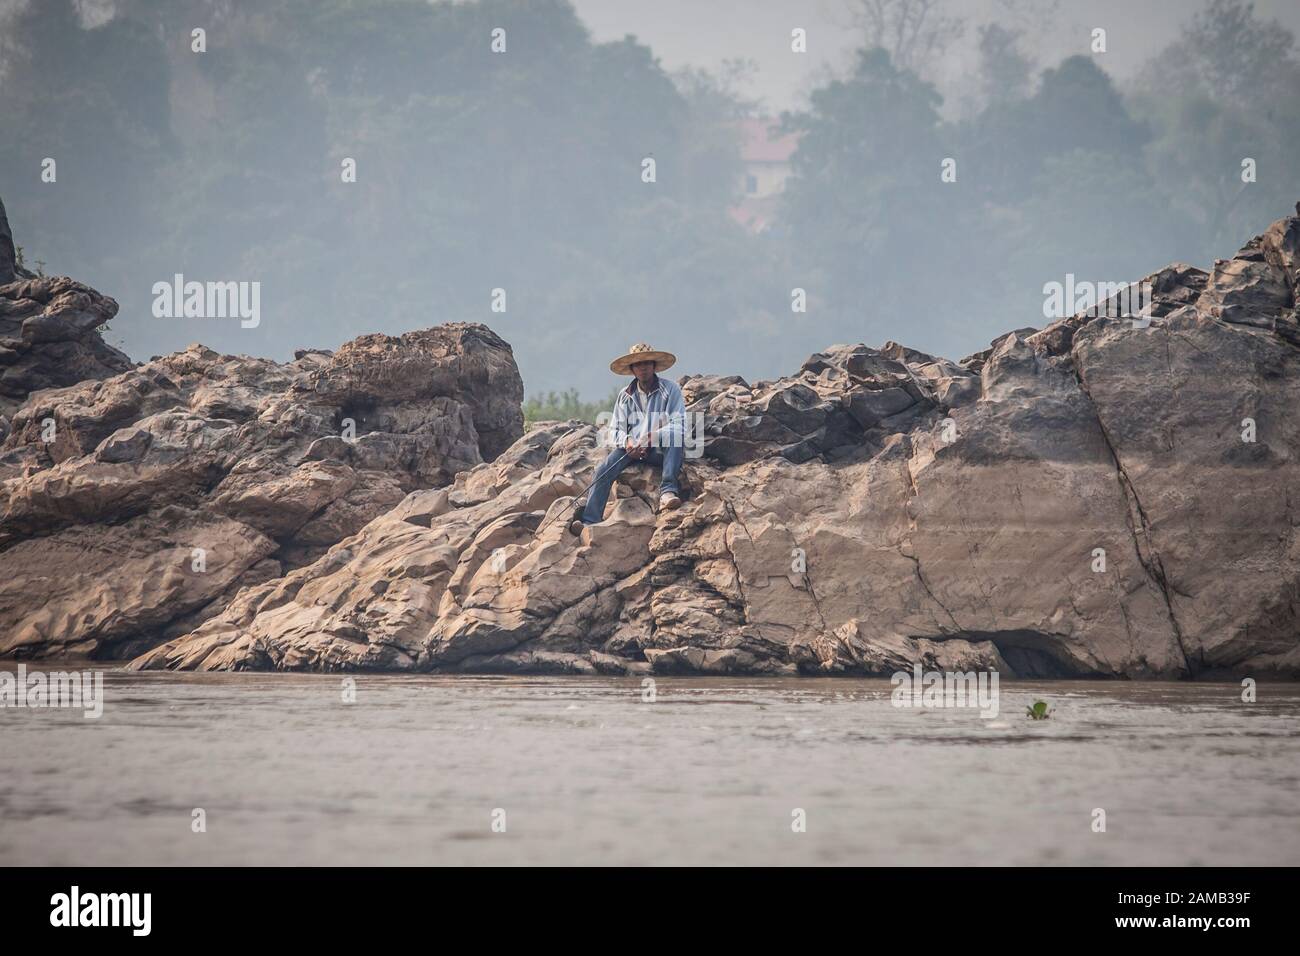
(49, 337)
(143, 502)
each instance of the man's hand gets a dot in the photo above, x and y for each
(636, 449)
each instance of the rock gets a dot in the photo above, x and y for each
(8, 252)
(397, 376)
(833, 405)
(853, 647)
(139, 503)
(48, 337)
(876, 509)
(48, 331)
(108, 591)
(1258, 285)
(380, 507)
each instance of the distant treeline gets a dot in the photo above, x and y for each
(522, 171)
(564, 405)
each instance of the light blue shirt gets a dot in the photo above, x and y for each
(664, 410)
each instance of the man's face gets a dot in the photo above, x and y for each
(644, 372)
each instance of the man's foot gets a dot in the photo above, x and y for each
(669, 501)
(575, 527)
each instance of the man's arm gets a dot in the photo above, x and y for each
(619, 424)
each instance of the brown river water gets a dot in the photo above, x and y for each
(583, 770)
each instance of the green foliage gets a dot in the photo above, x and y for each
(1039, 711)
(564, 406)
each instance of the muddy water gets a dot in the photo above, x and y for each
(585, 771)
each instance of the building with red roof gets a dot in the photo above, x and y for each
(765, 155)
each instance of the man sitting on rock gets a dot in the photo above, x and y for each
(648, 425)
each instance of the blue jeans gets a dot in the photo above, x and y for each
(670, 459)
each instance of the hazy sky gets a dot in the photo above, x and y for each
(706, 32)
(612, 280)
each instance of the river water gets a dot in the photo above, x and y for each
(584, 770)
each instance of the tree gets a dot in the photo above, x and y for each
(915, 33)
(1220, 95)
(1225, 52)
(863, 213)
(476, 171)
(1005, 73)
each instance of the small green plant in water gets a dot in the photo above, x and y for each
(1038, 711)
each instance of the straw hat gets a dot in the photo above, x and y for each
(642, 353)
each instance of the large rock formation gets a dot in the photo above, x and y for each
(1105, 497)
(135, 507)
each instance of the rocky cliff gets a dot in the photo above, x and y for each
(1103, 497)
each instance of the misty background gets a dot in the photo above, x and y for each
(523, 170)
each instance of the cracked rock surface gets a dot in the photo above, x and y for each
(1103, 497)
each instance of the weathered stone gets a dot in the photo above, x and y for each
(261, 467)
(1082, 500)
(49, 337)
(8, 253)
(898, 538)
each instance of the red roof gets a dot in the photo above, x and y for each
(761, 143)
